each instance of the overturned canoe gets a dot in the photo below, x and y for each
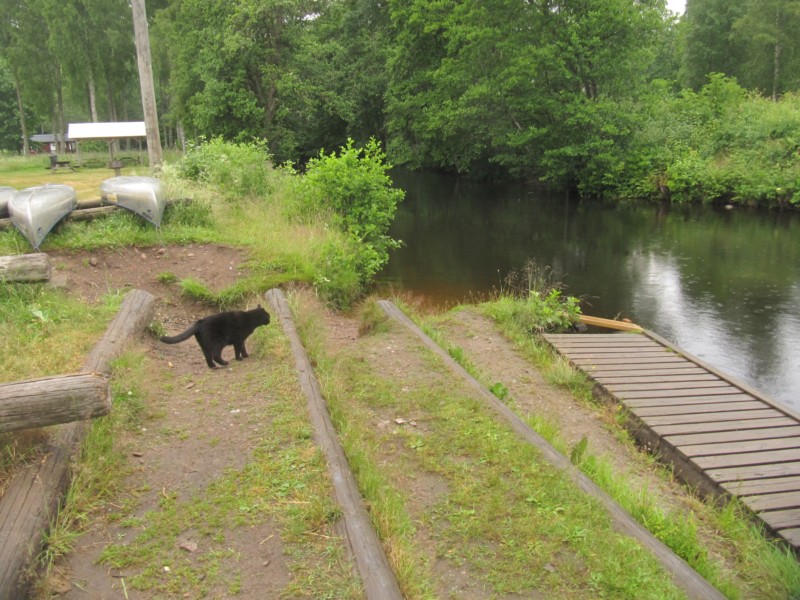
(35, 211)
(5, 195)
(142, 195)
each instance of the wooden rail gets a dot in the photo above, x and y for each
(722, 436)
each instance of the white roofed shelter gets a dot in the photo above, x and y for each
(111, 132)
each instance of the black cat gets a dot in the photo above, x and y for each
(224, 329)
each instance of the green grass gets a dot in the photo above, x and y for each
(764, 569)
(504, 515)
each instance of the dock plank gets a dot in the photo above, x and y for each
(733, 436)
(722, 435)
(709, 449)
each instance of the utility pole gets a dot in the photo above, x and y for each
(146, 84)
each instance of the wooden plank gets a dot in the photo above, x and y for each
(667, 429)
(771, 457)
(779, 501)
(734, 447)
(371, 561)
(767, 413)
(697, 409)
(558, 337)
(589, 341)
(659, 361)
(724, 475)
(708, 386)
(652, 377)
(792, 535)
(733, 436)
(688, 401)
(763, 486)
(722, 391)
(610, 323)
(683, 575)
(781, 519)
(619, 355)
(629, 369)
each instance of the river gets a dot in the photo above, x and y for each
(724, 284)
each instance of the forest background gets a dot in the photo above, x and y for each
(612, 98)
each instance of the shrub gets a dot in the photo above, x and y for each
(235, 169)
(353, 187)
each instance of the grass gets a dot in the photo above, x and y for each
(502, 514)
(766, 569)
(22, 172)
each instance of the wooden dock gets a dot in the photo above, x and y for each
(722, 436)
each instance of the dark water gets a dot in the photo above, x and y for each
(722, 284)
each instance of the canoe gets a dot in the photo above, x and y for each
(143, 195)
(5, 195)
(35, 211)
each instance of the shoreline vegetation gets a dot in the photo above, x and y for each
(326, 229)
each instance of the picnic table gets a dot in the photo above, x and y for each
(56, 164)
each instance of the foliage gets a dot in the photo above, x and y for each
(354, 187)
(534, 302)
(236, 169)
(720, 144)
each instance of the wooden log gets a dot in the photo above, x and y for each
(371, 562)
(25, 267)
(53, 400)
(31, 501)
(684, 576)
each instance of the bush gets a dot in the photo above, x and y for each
(354, 189)
(235, 169)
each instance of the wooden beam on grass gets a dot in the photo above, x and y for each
(31, 500)
(684, 576)
(373, 566)
(53, 401)
(25, 267)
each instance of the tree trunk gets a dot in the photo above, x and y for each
(60, 131)
(25, 267)
(92, 98)
(776, 67)
(53, 400)
(146, 83)
(26, 144)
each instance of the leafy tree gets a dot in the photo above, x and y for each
(708, 45)
(767, 32)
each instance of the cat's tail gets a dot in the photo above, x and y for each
(181, 336)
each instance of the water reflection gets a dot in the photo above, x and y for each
(724, 285)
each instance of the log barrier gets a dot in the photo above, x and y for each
(53, 400)
(25, 267)
(31, 501)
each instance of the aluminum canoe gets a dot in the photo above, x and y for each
(36, 210)
(5, 195)
(143, 195)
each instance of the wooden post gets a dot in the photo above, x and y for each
(53, 400)
(146, 83)
(25, 267)
(32, 498)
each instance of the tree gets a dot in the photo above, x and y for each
(767, 31)
(708, 45)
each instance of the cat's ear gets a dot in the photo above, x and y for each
(259, 306)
